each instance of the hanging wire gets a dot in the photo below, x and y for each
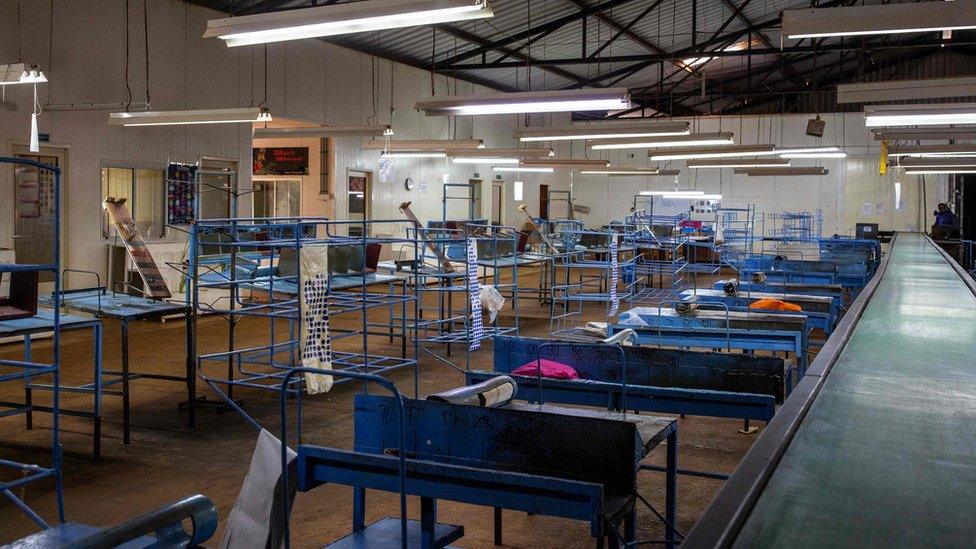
(145, 22)
(128, 89)
(20, 50)
(265, 99)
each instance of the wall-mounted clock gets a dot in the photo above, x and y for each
(409, 184)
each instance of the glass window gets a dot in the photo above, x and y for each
(277, 198)
(143, 189)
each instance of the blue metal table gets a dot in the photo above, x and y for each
(43, 322)
(127, 308)
(718, 329)
(821, 312)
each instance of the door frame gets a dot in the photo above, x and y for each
(367, 194)
(500, 196)
(63, 152)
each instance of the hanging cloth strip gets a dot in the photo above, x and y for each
(315, 342)
(614, 276)
(474, 295)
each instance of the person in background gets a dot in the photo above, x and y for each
(944, 216)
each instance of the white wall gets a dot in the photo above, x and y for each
(321, 82)
(306, 80)
(841, 195)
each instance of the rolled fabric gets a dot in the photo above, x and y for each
(686, 307)
(758, 278)
(491, 393)
(731, 287)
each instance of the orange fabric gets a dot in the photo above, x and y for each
(775, 305)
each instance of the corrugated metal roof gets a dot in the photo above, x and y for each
(650, 27)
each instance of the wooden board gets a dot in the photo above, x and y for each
(539, 230)
(155, 286)
(444, 261)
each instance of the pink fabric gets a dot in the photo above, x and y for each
(550, 369)
(690, 223)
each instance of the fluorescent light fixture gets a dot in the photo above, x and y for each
(21, 73)
(897, 195)
(483, 160)
(815, 155)
(738, 163)
(523, 169)
(713, 152)
(919, 134)
(932, 151)
(675, 192)
(518, 153)
(879, 19)
(412, 154)
(782, 171)
(876, 116)
(423, 144)
(321, 131)
(517, 191)
(937, 163)
(601, 99)
(907, 90)
(352, 17)
(179, 118)
(702, 197)
(623, 172)
(692, 140)
(619, 131)
(566, 163)
(938, 171)
(806, 150)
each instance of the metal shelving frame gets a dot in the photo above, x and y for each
(25, 371)
(248, 264)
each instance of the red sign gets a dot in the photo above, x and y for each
(280, 160)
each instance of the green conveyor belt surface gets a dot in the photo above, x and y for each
(886, 455)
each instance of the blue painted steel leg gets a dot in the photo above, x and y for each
(125, 382)
(498, 525)
(630, 526)
(671, 490)
(28, 394)
(428, 516)
(97, 445)
(358, 509)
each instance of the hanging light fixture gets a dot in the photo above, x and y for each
(602, 99)
(352, 17)
(527, 169)
(738, 163)
(423, 144)
(413, 154)
(712, 152)
(322, 131)
(876, 116)
(691, 140)
(675, 192)
(879, 19)
(619, 131)
(933, 151)
(781, 171)
(566, 163)
(21, 73)
(909, 163)
(629, 172)
(178, 118)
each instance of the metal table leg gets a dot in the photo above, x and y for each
(125, 382)
(671, 490)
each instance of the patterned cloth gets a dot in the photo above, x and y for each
(614, 276)
(315, 343)
(474, 294)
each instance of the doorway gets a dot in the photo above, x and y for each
(475, 212)
(497, 203)
(33, 208)
(277, 198)
(359, 199)
(544, 201)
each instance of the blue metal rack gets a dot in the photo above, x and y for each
(660, 253)
(442, 324)
(256, 262)
(24, 371)
(738, 226)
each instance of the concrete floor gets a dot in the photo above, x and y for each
(167, 461)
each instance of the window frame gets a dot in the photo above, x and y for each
(106, 230)
(276, 179)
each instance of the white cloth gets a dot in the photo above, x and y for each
(249, 523)
(316, 346)
(491, 301)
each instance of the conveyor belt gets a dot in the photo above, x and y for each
(880, 448)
